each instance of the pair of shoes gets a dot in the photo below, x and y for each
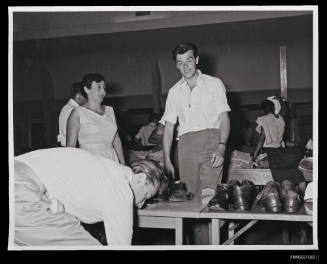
(276, 198)
(234, 195)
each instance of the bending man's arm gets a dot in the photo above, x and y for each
(218, 156)
(167, 142)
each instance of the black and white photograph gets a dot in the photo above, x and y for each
(163, 128)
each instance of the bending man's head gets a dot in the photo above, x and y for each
(147, 179)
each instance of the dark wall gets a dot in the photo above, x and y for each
(245, 55)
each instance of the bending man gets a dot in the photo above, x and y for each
(57, 188)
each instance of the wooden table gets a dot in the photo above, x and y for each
(169, 215)
(253, 217)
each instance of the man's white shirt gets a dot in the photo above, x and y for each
(198, 109)
(91, 187)
(63, 116)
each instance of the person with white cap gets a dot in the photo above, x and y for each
(270, 128)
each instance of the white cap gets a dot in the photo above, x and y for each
(276, 104)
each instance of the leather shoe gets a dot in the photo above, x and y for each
(222, 198)
(242, 195)
(268, 199)
(290, 197)
(178, 192)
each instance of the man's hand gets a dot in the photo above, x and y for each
(218, 156)
(170, 170)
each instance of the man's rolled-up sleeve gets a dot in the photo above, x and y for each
(221, 99)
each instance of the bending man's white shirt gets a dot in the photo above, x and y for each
(91, 187)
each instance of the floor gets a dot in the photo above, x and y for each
(262, 233)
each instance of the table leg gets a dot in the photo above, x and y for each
(179, 231)
(231, 230)
(240, 232)
(215, 232)
(210, 232)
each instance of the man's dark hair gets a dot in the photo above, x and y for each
(75, 89)
(268, 107)
(88, 79)
(184, 47)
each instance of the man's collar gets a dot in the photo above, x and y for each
(73, 102)
(198, 79)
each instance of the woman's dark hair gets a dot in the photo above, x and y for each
(268, 107)
(88, 79)
(152, 170)
(184, 47)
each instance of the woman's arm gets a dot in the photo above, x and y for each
(118, 146)
(260, 143)
(72, 129)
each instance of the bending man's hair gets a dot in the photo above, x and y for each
(151, 168)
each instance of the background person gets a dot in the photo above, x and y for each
(283, 161)
(93, 125)
(57, 188)
(76, 99)
(145, 131)
(270, 127)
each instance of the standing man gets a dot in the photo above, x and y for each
(199, 103)
(76, 99)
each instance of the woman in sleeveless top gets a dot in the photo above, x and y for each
(93, 125)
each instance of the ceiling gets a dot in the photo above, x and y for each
(45, 24)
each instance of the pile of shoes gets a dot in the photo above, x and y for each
(174, 191)
(241, 196)
(234, 195)
(275, 198)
